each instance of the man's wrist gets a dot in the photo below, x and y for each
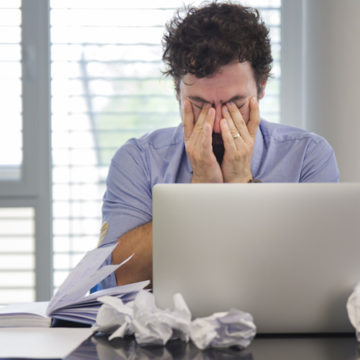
(210, 180)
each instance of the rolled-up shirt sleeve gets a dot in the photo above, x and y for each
(127, 203)
(320, 163)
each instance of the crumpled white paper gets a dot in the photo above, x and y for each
(225, 329)
(153, 326)
(353, 310)
(143, 319)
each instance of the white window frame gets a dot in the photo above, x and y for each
(293, 74)
(33, 189)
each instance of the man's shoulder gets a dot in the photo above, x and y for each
(286, 133)
(161, 138)
(158, 140)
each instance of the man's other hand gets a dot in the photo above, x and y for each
(198, 144)
(239, 139)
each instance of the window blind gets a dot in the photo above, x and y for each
(107, 87)
(17, 255)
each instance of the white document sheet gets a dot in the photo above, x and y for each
(83, 277)
(41, 343)
(70, 302)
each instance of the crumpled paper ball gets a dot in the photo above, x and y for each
(353, 310)
(115, 317)
(142, 318)
(153, 326)
(222, 330)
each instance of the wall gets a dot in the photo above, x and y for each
(332, 78)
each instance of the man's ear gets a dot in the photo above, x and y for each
(261, 93)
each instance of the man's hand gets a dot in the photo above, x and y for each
(198, 144)
(239, 139)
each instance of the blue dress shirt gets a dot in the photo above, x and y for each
(281, 154)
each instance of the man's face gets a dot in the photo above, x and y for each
(232, 83)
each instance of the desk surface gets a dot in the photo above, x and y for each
(262, 348)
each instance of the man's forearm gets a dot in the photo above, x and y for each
(138, 242)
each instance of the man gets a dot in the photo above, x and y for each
(220, 59)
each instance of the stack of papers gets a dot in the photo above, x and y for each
(71, 302)
(28, 314)
(85, 309)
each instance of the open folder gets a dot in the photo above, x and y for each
(71, 302)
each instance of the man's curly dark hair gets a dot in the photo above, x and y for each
(216, 34)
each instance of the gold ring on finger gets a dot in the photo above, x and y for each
(236, 136)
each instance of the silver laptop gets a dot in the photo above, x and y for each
(287, 253)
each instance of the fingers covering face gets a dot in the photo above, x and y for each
(193, 127)
(188, 119)
(254, 120)
(230, 112)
